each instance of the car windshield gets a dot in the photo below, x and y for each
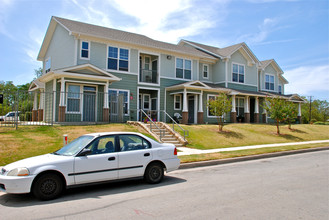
(75, 146)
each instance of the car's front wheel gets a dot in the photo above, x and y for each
(48, 186)
(154, 173)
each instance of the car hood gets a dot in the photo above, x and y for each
(36, 161)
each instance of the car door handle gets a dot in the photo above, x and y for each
(147, 154)
(111, 158)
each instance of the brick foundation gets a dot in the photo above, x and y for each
(106, 115)
(40, 114)
(200, 118)
(256, 117)
(233, 117)
(184, 118)
(247, 117)
(61, 113)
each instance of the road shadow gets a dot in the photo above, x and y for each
(91, 191)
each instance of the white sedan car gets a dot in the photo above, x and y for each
(90, 158)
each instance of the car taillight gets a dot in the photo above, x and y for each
(175, 151)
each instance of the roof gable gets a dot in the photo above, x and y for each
(88, 69)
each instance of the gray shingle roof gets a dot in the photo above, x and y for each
(222, 52)
(123, 36)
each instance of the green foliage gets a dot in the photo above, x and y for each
(280, 110)
(290, 112)
(319, 111)
(219, 106)
(38, 72)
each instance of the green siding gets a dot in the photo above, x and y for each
(97, 55)
(242, 87)
(250, 71)
(219, 71)
(61, 49)
(167, 66)
(134, 59)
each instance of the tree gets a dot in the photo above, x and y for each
(290, 112)
(38, 72)
(218, 106)
(275, 108)
(324, 110)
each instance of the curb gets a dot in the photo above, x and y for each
(247, 158)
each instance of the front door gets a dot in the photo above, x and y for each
(89, 103)
(100, 165)
(191, 109)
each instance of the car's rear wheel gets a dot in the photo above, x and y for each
(154, 173)
(48, 186)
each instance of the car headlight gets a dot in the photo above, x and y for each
(22, 171)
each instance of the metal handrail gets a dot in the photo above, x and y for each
(186, 132)
(152, 122)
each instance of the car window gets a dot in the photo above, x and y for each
(102, 145)
(133, 142)
(11, 114)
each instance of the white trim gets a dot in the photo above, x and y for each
(226, 73)
(118, 59)
(244, 73)
(205, 65)
(54, 102)
(195, 109)
(128, 98)
(89, 44)
(210, 116)
(201, 102)
(180, 101)
(45, 66)
(83, 82)
(167, 77)
(158, 96)
(269, 74)
(75, 62)
(80, 99)
(243, 84)
(184, 59)
(238, 105)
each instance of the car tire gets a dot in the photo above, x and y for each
(48, 186)
(154, 173)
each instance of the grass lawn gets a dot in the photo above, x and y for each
(207, 136)
(32, 140)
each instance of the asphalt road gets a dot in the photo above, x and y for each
(288, 187)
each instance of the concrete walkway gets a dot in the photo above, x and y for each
(190, 151)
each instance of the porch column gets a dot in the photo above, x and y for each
(35, 107)
(246, 110)
(200, 112)
(299, 116)
(106, 113)
(62, 107)
(233, 111)
(185, 109)
(256, 114)
(41, 106)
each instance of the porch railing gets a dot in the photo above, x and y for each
(161, 131)
(186, 132)
(149, 76)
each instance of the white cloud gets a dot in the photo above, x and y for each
(307, 80)
(5, 9)
(166, 21)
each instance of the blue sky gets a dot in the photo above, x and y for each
(293, 32)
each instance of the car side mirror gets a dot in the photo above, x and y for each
(84, 152)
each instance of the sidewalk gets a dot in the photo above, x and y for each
(190, 151)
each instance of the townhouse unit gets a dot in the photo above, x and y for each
(98, 74)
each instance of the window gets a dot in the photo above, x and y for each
(239, 107)
(238, 73)
(146, 101)
(210, 97)
(133, 142)
(280, 89)
(73, 99)
(102, 145)
(84, 50)
(183, 68)
(113, 99)
(269, 82)
(118, 59)
(177, 102)
(205, 71)
(47, 65)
